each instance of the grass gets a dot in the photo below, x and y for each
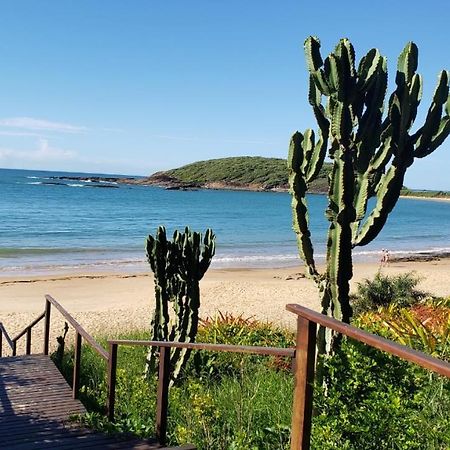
(266, 173)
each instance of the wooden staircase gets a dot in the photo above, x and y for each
(36, 406)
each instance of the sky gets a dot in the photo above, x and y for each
(146, 85)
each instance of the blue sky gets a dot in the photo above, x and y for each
(135, 87)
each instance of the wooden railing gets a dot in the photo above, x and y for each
(303, 361)
(162, 398)
(307, 321)
(12, 342)
(80, 333)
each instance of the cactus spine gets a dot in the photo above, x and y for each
(370, 150)
(178, 266)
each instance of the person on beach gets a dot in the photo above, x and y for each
(383, 255)
(387, 257)
(384, 261)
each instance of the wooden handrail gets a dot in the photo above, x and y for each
(402, 351)
(78, 328)
(12, 342)
(3, 332)
(307, 321)
(31, 325)
(268, 351)
(162, 398)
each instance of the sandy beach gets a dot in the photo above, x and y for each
(107, 304)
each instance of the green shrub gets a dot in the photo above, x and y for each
(375, 401)
(383, 290)
(237, 330)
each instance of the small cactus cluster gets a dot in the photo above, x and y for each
(178, 266)
(371, 145)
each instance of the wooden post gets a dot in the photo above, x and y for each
(14, 348)
(162, 399)
(112, 366)
(304, 379)
(28, 343)
(76, 366)
(47, 326)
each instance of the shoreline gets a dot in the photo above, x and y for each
(137, 268)
(418, 197)
(164, 181)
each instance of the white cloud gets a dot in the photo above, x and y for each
(43, 154)
(18, 133)
(29, 123)
(47, 157)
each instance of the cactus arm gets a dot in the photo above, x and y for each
(314, 64)
(407, 63)
(318, 156)
(362, 188)
(298, 188)
(312, 54)
(209, 250)
(157, 249)
(367, 69)
(440, 136)
(369, 129)
(346, 47)
(187, 329)
(368, 139)
(307, 150)
(435, 129)
(387, 196)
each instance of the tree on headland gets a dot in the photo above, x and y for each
(178, 266)
(371, 145)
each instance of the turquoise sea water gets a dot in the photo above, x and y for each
(80, 226)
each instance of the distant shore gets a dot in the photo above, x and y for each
(418, 197)
(108, 303)
(170, 183)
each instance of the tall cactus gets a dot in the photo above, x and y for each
(178, 266)
(370, 150)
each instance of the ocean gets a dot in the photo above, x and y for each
(59, 226)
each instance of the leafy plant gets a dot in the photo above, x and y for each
(409, 326)
(226, 328)
(376, 401)
(384, 290)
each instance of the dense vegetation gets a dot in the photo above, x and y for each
(255, 172)
(237, 402)
(425, 194)
(244, 171)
